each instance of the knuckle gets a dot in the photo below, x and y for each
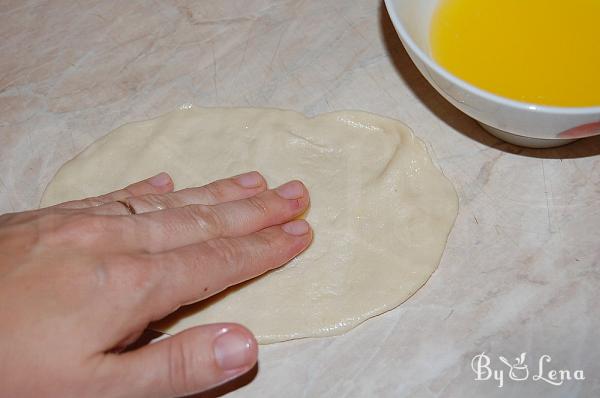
(207, 218)
(258, 206)
(270, 242)
(158, 202)
(226, 252)
(275, 243)
(269, 246)
(128, 191)
(89, 230)
(78, 227)
(216, 191)
(94, 202)
(183, 369)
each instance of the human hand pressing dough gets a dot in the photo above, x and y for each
(81, 280)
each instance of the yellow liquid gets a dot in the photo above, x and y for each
(537, 51)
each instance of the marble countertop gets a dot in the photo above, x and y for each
(521, 272)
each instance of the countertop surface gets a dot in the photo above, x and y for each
(521, 271)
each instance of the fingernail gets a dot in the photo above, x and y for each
(296, 227)
(291, 190)
(160, 180)
(249, 180)
(233, 350)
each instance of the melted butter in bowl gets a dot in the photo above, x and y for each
(545, 52)
(527, 71)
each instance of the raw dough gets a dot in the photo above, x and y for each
(381, 211)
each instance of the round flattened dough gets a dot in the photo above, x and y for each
(380, 210)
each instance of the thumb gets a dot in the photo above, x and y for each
(189, 362)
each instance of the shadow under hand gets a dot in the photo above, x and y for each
(454, 118)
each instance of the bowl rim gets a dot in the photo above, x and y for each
(431, 63)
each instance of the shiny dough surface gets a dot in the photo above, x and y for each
(380, 210)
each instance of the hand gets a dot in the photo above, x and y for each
(81, 280)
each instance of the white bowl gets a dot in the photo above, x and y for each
(520, 123)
